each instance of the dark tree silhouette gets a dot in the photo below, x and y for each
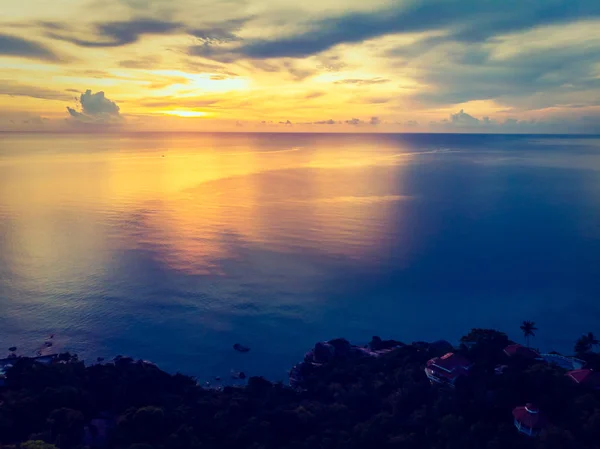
(586, 343)
(528, 328)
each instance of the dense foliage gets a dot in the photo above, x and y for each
(347, 403)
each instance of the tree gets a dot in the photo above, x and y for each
(528, 328)
(586, 343)
(66, 426)
(37, 444)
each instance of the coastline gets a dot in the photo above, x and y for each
(387, 394)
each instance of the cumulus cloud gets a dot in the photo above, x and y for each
(461, 118)
(374, 121)
(18, 46)
(287, 123)
(325, 122)
(95, 109)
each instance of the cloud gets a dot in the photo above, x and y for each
(15, 89)
(219, 33)
(468, 20)
(326, 122)
(362, 82)
(117, 34)
(284, 66)
(18, 46)
(354, 122)
(375, 100)
(311, 95)
(374, 121)
(96, 109)
(287, 123)
(148, 62)
(462, 121)
(35, 120)
(547, 67)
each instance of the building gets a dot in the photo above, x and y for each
(448, 368)
(528, 420)
(521, 351)
(586, 377)
(568, 363)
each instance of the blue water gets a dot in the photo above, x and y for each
(174, 247)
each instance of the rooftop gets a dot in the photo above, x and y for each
(521, 351)
(529, 416)
(585, 377)
(450, 362)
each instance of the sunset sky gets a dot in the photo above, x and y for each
(314, 65)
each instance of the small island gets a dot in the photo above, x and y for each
(488, 392)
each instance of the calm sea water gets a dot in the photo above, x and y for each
(174, 247)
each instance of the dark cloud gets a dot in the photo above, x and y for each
(120, 33)
(96, 109)
(219, 33)
(15, 89)
(117, 34)
(287, 123)
(534, 79)
(362, 82)
(216, 53)
(326, 122)
(374, 121)
(18, 46)
(72, 90)
(468, 21)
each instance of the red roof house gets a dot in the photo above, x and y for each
(528, 420)
(448, 368)
(585, 377)
(521, 351)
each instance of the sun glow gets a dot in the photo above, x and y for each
(181, 113)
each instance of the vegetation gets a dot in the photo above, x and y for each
(350, 402)
(528, 328)
(585, 344)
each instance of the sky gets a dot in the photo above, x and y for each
(312, 66)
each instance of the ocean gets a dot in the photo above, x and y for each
(172, 248)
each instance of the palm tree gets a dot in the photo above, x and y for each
(528, 328)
